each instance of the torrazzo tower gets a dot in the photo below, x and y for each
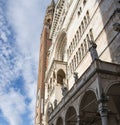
(79, 67)
(45, 44)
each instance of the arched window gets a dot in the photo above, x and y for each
(91, 35)
(85, 21)
(82, 24)
(74, 62)
(77, 59)
(79, 51)
(77, 36)
(75, 41)
(82, 50)
(60, 76)
(84, 2)
(79, 31)
(80, 10)
(88, 16)
(70, 49)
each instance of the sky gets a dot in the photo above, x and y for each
(20, 28)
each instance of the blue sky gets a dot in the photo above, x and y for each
(20, 27)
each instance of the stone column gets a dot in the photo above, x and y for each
(103, 109)
(78, 120)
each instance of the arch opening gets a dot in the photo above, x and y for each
(71, 116)
(89, 114)
(60, 77)
(59, 121)
(114, 104)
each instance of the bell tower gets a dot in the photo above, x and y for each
(45, 44)
(49, 14)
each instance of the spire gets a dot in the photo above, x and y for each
(52, 3)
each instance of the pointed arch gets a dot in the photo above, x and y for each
(61, 46)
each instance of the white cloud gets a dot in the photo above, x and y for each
(12, 105)
(26, 18)
(3, 36)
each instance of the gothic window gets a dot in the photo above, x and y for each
(77, 36)
(75, 41)
(91, 35)
(88, 40)
(88, 16)
(60, 77)
(85, 21)
(82, 26)
(82, 49)
(77, 60)
(79, 51)
(84, 2)
(80, 10)
(74, 63)
(79, 31)
(79, 13)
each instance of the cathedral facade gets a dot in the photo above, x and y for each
(79, 69)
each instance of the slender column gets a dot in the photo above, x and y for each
(78, 120)
(103, 109)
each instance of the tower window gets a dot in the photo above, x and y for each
(84, 2)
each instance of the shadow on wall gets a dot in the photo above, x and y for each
(111, 21)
